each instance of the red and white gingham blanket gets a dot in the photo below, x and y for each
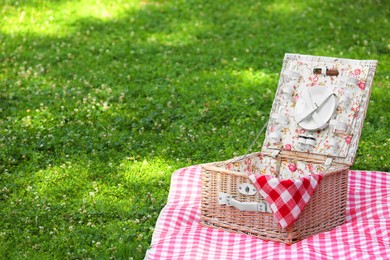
(366, 235)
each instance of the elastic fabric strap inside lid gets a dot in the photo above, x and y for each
(348, 80)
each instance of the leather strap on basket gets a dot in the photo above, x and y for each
(326, 71)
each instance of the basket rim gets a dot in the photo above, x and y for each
(216, 167)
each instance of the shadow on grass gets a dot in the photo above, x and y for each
(128, 100)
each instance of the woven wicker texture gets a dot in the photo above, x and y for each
(325, 210)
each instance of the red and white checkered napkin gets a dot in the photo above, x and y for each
(286, 198)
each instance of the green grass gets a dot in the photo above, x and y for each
(101, 100)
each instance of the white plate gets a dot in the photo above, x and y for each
(324, 110)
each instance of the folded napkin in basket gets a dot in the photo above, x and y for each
(286, 198)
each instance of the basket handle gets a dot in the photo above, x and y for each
(227, 199)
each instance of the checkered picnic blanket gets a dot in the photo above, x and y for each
(366, 235)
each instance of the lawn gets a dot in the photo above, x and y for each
(102, 100)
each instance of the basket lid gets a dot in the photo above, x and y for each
(320, 106)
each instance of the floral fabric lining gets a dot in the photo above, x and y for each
(352, 88)
(259, 163)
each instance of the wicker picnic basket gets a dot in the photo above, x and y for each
(301, 139)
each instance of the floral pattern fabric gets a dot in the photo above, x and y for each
(258, 163)
(352, 88)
